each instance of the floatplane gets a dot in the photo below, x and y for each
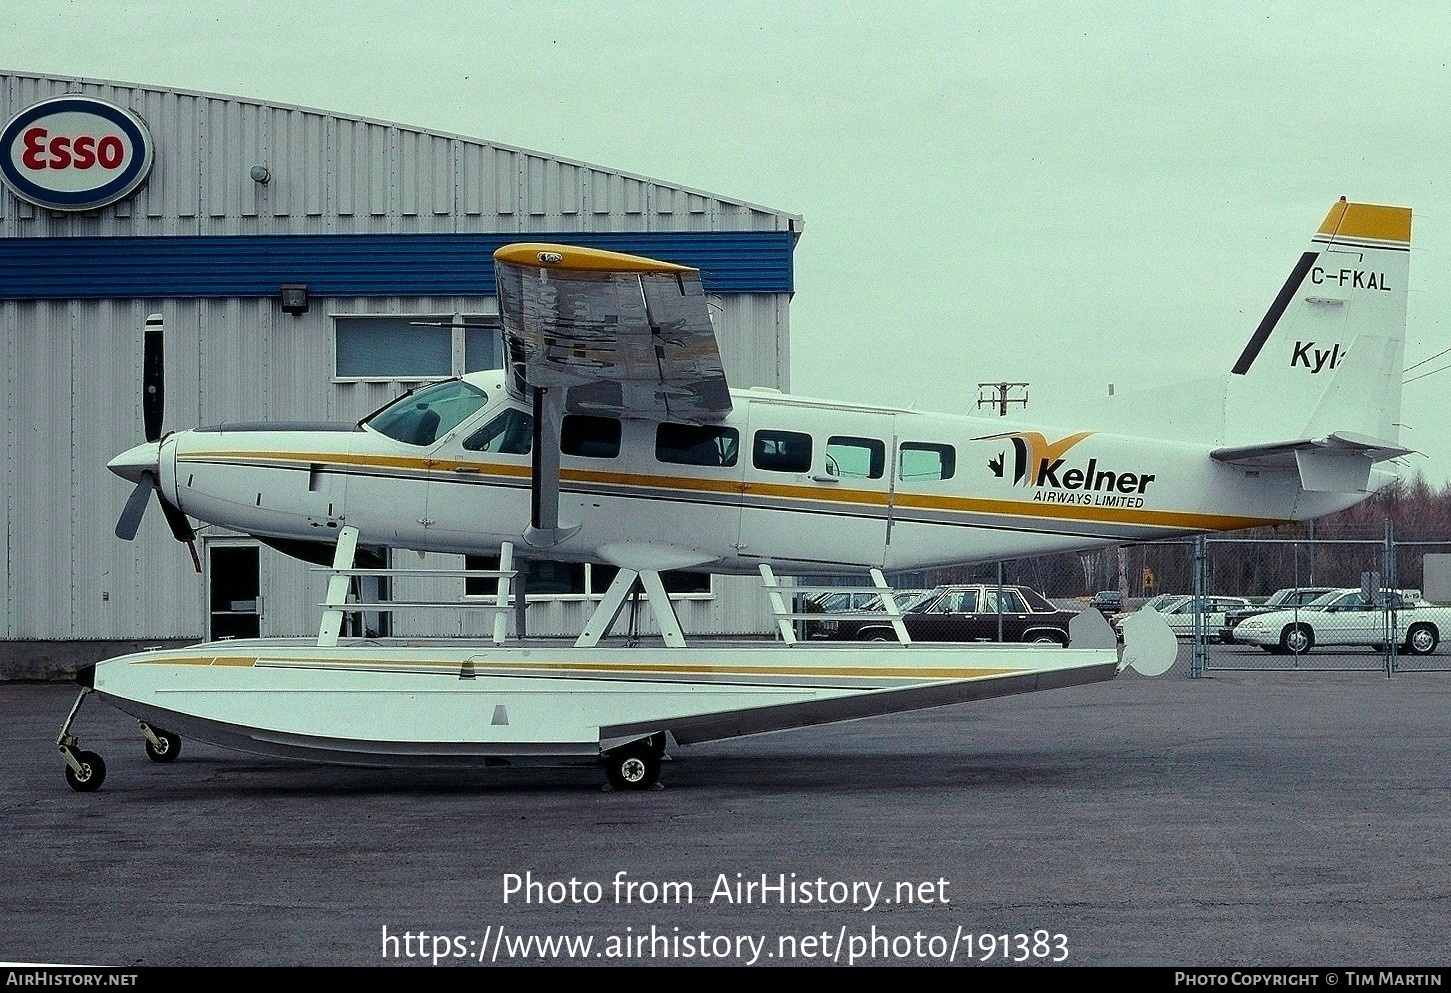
(613, 437)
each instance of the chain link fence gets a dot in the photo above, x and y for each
(1342, 597)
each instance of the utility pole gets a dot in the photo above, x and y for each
(999, 395)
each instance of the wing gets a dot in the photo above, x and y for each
(613, 334)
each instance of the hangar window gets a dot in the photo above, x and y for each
(415, 346)
(543, 579)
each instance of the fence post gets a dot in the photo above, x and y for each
(1391, 582)
(1200, 661)
(1000, 602)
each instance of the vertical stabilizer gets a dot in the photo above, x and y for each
(1328, 356)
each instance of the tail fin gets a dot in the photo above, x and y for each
(1319, 382)
(1328, 355)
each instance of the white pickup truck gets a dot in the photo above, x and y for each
(1346, 617)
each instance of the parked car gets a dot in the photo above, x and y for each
(1107, 602)
(841, 600)
(1210, 609)
(1159, 602)
(907, 599)
(971, 612)
(851, 603)
(1280, 599)
(1347, 617)
(1162, 601)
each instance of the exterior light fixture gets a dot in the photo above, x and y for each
(260, 174)
(294, 298)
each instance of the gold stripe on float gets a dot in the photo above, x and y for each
(236, 660)
(486, 666)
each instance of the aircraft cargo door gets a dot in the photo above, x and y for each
(817, 489)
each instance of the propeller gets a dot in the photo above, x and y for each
(142, 464)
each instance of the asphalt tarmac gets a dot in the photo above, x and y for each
(1280, 819)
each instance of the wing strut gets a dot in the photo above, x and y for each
(545, 529)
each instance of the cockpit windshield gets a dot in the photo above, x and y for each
(421, 417)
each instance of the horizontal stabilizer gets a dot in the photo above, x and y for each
(1338, 463)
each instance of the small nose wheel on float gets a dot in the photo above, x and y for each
(84, 771)
(161, 746)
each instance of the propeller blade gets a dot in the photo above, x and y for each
(153, 378)
(130, 520)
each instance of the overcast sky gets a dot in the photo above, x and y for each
(1067, 194)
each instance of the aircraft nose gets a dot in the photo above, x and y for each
(134, 462)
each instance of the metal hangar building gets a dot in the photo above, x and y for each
(292, 253)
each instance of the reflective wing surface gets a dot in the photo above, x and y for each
(620, 334)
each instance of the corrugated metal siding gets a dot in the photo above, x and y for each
(11, 356)
(754, 336)
(351, 265)
(69, 414)
(73, 362)
(340, 174)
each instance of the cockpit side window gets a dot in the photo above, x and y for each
(421, 417)
(511, 433)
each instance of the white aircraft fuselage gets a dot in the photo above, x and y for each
(613, 436)
(862, 487)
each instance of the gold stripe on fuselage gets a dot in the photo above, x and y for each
(812, 498)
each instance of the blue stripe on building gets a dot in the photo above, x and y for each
(348, 265)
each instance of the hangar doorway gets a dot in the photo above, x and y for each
(234, 589)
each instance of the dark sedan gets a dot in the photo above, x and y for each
(974, 612)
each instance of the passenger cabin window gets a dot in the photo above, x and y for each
(511, 433)
(921, 462)
(856, 458)
(590, 437)
(421, 417)
(782, 451)
(696, 444)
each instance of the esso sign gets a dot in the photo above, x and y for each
(74, 153)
